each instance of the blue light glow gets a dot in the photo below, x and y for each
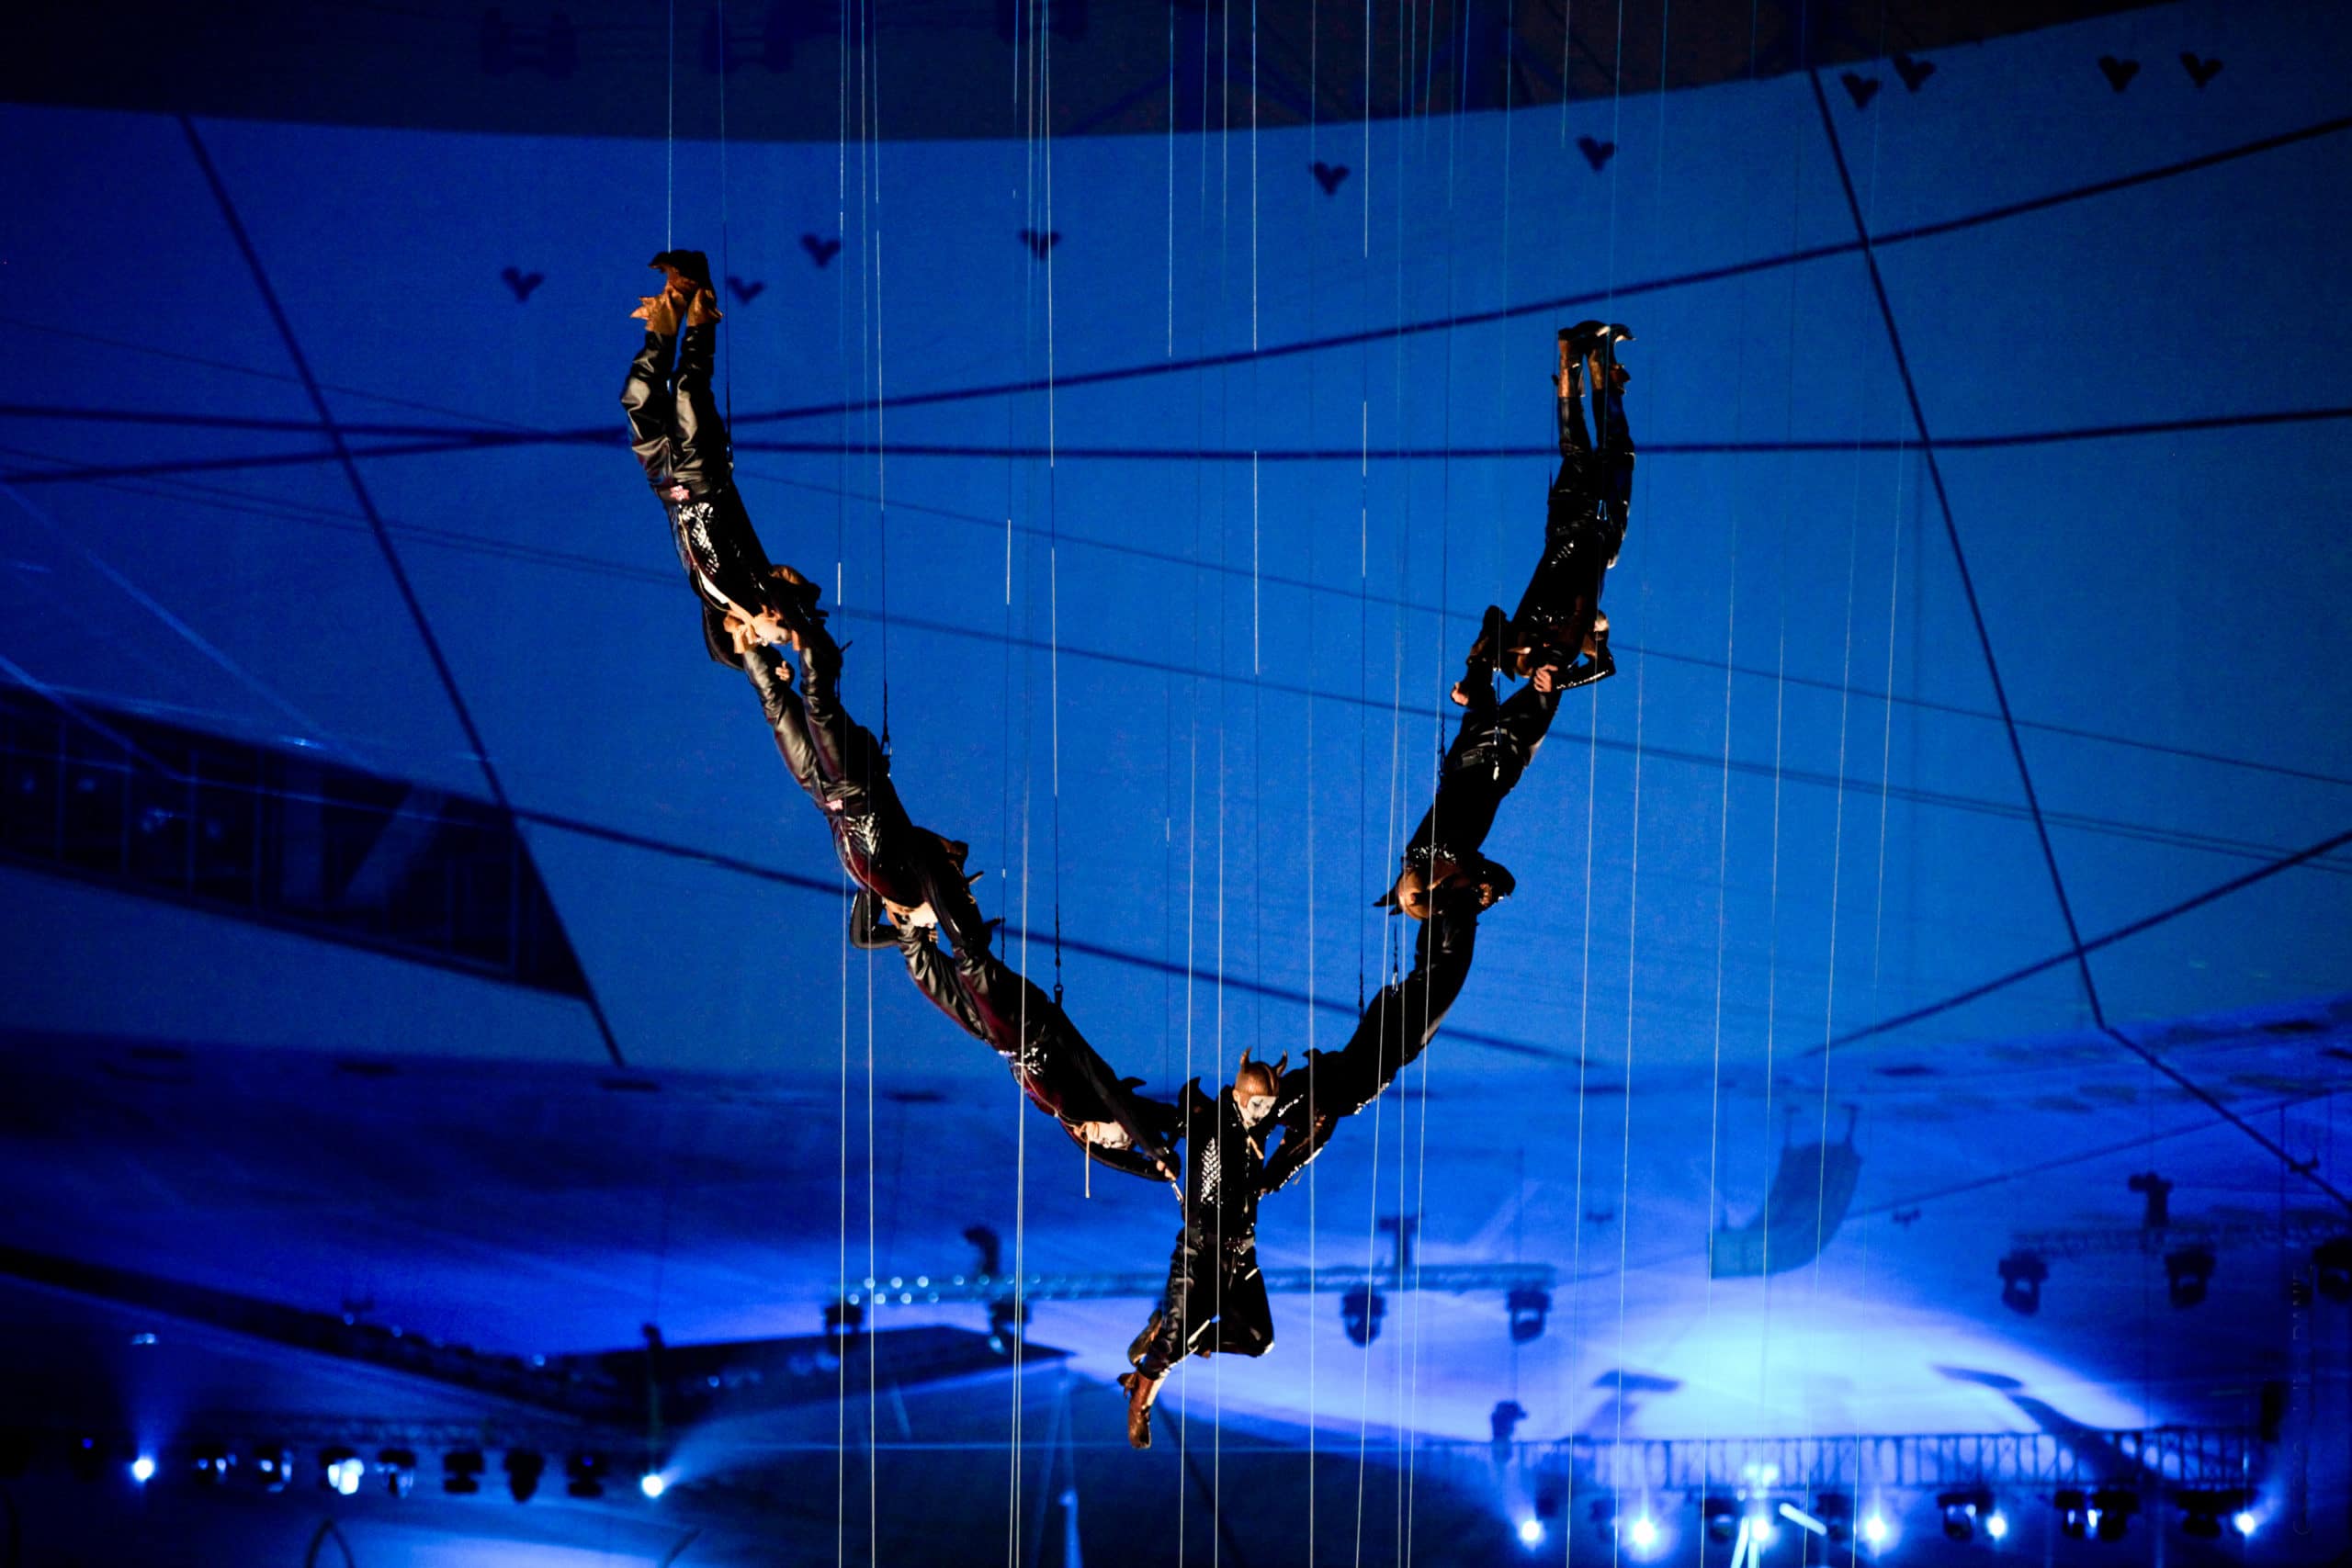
(1874, 1529)
(652, 1485)
(1530, 1532)
(142, 1470)
(2245, 1522)
(1997, 1525)
(1643, 1534)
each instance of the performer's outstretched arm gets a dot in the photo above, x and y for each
(1394, 1030)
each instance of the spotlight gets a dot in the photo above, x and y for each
(461, 1472)
(2022, 1273)
(142, 1469)
(2244, 1522)
(2185, 1274)
(1874, 1529)
(2111, 1512)
(399, 1471)
(524, 1467)
(341, 1471)
(1720, 1516)
(652, 1484)
(1997, 1525)
(1761, 1531)
(2074, 1513)
(1835, 1511)
(1530, 1532)
(1643, 1533)
(2203, 1510)
(213, 1462)
(273, 1466)
(1527, 1307)
(584, 1476)
(1360, 1310)
(1961, 1510)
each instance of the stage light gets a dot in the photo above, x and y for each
(1643, 1533)
(273, 1466)
(2111, 1512)
(2022, 1274)
(584, 1476)
(1874, 1529)
(652, 1484)
(1961, 1510)
(1761, 1530)
(1360, 1310)
(1527, 1307)
(2187, 1272)
(2074, 1513)
(1530, 1532)
(341, 1471)
(2245, 1521)
(1997, 1525)
(2204, 1509)
(524, 1467)
(142, 1469)
(399, 1471)
(461, 1472)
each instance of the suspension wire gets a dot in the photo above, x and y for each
(670, 134)
(1722, 817)
(1314, 235)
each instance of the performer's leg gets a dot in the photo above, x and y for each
(1245, 1319)
(702, 462)
(645, 399)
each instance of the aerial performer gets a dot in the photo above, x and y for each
(1216, 1298)
(677, 434)
(1062, 1075)
(1559, 617)
(1398, 1025)
(841, 767)
(916, 877)
(1491, 751)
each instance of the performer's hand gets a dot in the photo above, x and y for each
(1546, 678)
(675, 492)
(1104, 1134)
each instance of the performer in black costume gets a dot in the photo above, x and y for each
(1216, 1298)
(1062, 1074)
(1490, 750)
(1394, 1031)
(838, 762)
(677, 434)
(1584, 527)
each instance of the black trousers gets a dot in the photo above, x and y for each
(680, 441)
(1215, 1300)
(839, 764)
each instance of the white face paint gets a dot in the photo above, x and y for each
(1255, 1108)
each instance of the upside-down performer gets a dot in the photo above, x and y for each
(1398, 1025)
(1062, 1074)
(841, 766)
(1216, 1298)
(1559, 615)
(1491, 751)
(677, 434)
